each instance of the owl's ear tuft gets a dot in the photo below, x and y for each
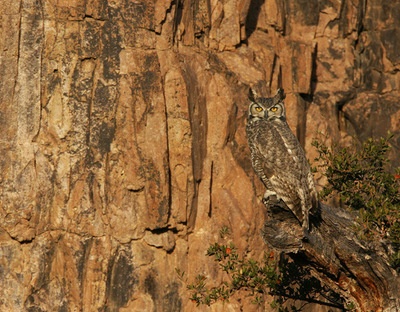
(252, 95)
(279, 96)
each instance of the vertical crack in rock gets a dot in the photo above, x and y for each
(167, 165)
(120, 280)
(211, 189)
(29, 70)
(252, 16)
(198, 122)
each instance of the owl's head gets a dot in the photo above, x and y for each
(267, 108)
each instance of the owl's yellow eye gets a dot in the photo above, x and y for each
(273, 109)
(258, 109)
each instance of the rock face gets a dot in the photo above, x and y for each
(123, 143)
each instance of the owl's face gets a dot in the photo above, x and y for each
(267, 108)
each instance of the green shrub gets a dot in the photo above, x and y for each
(360, 175)
(284, 280)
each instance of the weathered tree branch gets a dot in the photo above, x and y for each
(358, 271)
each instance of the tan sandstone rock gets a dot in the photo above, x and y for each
(123, 143)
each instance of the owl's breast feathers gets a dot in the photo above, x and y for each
(278, 156)
(275, 142)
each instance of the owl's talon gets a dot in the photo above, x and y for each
(270, 197)
(269, 193)
(269, 201)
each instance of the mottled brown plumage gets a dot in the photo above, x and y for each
(278, 158)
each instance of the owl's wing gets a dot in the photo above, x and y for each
(306, 190)
(313, 193)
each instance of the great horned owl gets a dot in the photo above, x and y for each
(278, 158)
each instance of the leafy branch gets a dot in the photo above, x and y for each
(284, 280)
(359, 175)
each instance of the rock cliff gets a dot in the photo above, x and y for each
(123, 142)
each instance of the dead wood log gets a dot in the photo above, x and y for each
(359, 271)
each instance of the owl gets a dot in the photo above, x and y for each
(278, 158)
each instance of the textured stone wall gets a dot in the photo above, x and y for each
(122, 134)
